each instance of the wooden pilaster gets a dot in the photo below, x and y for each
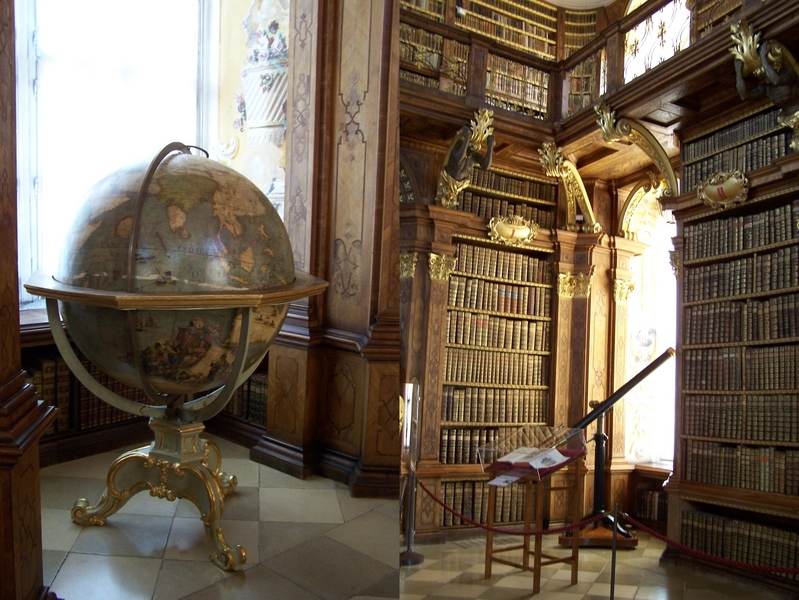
(23, 419)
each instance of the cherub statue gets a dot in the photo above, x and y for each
(463, 154)
(774, 68)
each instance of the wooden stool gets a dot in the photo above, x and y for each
(543, 487)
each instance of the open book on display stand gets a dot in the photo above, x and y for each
(533, 450)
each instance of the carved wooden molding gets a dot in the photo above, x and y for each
(556, 166)
(408, 264)
(634, 132)
(441, 266)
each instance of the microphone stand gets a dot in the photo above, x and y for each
(600, 443)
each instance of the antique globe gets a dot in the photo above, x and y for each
(175, 278)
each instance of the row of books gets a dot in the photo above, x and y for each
(768, 272)
(478, 294)
(751, 320)
(756, 369)
(537, 112)
(542, 13)
(487, 405)
(470, 498)
(765, 469)
(488, 331)
(415, 37)
(524, 92)
(419, 79)
(742, 541)
(771, 368)
(742, 232)
(756, 417)
(464, 365)
(487, 208)
(517, 70)
(460, 445)
(713, 369)
(731, 135)
(420, 55)
(517, 186)
(428, 7)
(529, 41)
(652, 505)
(249, 401)
(745, 158)
(79, 408)
(490, 262)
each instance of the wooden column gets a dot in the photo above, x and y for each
(23, 419)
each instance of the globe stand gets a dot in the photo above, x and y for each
(178, 464)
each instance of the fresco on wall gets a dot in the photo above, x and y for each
(253, 93)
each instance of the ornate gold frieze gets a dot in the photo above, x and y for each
(514, 230)
(724, 190)
(408, 264)
(441, 266)
(574, 286)
(634, 132)
(556, 166)
(622, 289)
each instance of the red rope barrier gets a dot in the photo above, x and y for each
(704, 555)
(507, 531)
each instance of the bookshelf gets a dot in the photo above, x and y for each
(516, 87)
(749, 143)
(583, 80)
(86, 425)
(430, 9)
(579, 28)
(497, 192)
(432, 60)
(526, 25)
(709, 15)
(735, 493)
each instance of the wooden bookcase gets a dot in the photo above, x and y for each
(86, 425)
(432, 60)
(493, 360)
(735, 489)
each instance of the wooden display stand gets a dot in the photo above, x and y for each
(543, 487)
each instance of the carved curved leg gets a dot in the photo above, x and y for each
(122, 484)
(213, 457)
(178, 464)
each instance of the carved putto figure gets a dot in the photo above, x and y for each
(463, 154)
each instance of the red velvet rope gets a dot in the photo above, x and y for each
(507, 531)
(705, 555)
(625, 516)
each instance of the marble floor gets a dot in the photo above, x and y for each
(455, 570)
(305, 539)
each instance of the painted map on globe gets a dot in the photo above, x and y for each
(202, 228)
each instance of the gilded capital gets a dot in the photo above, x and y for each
(675, 257)
(582, 285)
(408, 264)
(622, 289)
(566, 282)
(441, 266)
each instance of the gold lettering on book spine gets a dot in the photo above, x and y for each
(441, 266)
